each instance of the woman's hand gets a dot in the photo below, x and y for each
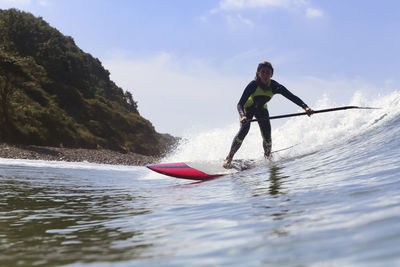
(243, 120)
(309, 111)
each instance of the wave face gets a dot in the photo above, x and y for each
(309, 135)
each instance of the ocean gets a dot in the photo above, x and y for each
(331, 200)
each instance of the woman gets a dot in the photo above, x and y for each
(254, 103)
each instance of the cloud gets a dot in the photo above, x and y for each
(242, 4)
(43, 2)
(235, 21)
(22, 3)
(245, 20)
(14, 3)
(314, 13)
(175, 94)
(239, 5)
(338, 89)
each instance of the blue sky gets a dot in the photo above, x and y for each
(187, 62)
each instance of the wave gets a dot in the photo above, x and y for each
(308, 134)
(65, 165)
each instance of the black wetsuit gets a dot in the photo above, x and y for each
(254, 103)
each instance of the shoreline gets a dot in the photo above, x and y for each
(101, 156)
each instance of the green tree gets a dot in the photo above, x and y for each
(130, 104)
(12, 77)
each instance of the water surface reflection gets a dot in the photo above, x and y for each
(41, 221)
(270, 200)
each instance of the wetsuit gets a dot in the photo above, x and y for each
(254, 103)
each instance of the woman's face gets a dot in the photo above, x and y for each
(265, 75)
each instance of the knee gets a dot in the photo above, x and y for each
(244, 131)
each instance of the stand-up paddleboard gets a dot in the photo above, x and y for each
(182, 170)
(204, 170)
(201, 170)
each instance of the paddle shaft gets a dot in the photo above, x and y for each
(315, 111)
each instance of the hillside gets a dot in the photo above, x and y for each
(54, 94)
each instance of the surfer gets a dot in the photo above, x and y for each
(254, 103)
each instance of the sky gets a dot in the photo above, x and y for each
(187, 62)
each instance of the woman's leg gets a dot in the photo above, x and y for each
(265, 128)
(238, 140)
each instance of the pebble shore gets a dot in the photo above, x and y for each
(102, 156)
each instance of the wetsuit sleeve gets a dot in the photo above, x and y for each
(280, 89)
(250, 88)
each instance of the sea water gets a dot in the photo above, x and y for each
(331, 200)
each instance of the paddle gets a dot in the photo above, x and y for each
(315, 111)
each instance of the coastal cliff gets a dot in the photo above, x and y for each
(54, 94)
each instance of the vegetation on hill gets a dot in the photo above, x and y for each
(52, 93)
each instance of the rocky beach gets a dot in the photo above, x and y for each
(102, 156)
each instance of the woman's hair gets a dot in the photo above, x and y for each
(263, 65)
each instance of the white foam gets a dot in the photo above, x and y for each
(309, 133)
(64, 164)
